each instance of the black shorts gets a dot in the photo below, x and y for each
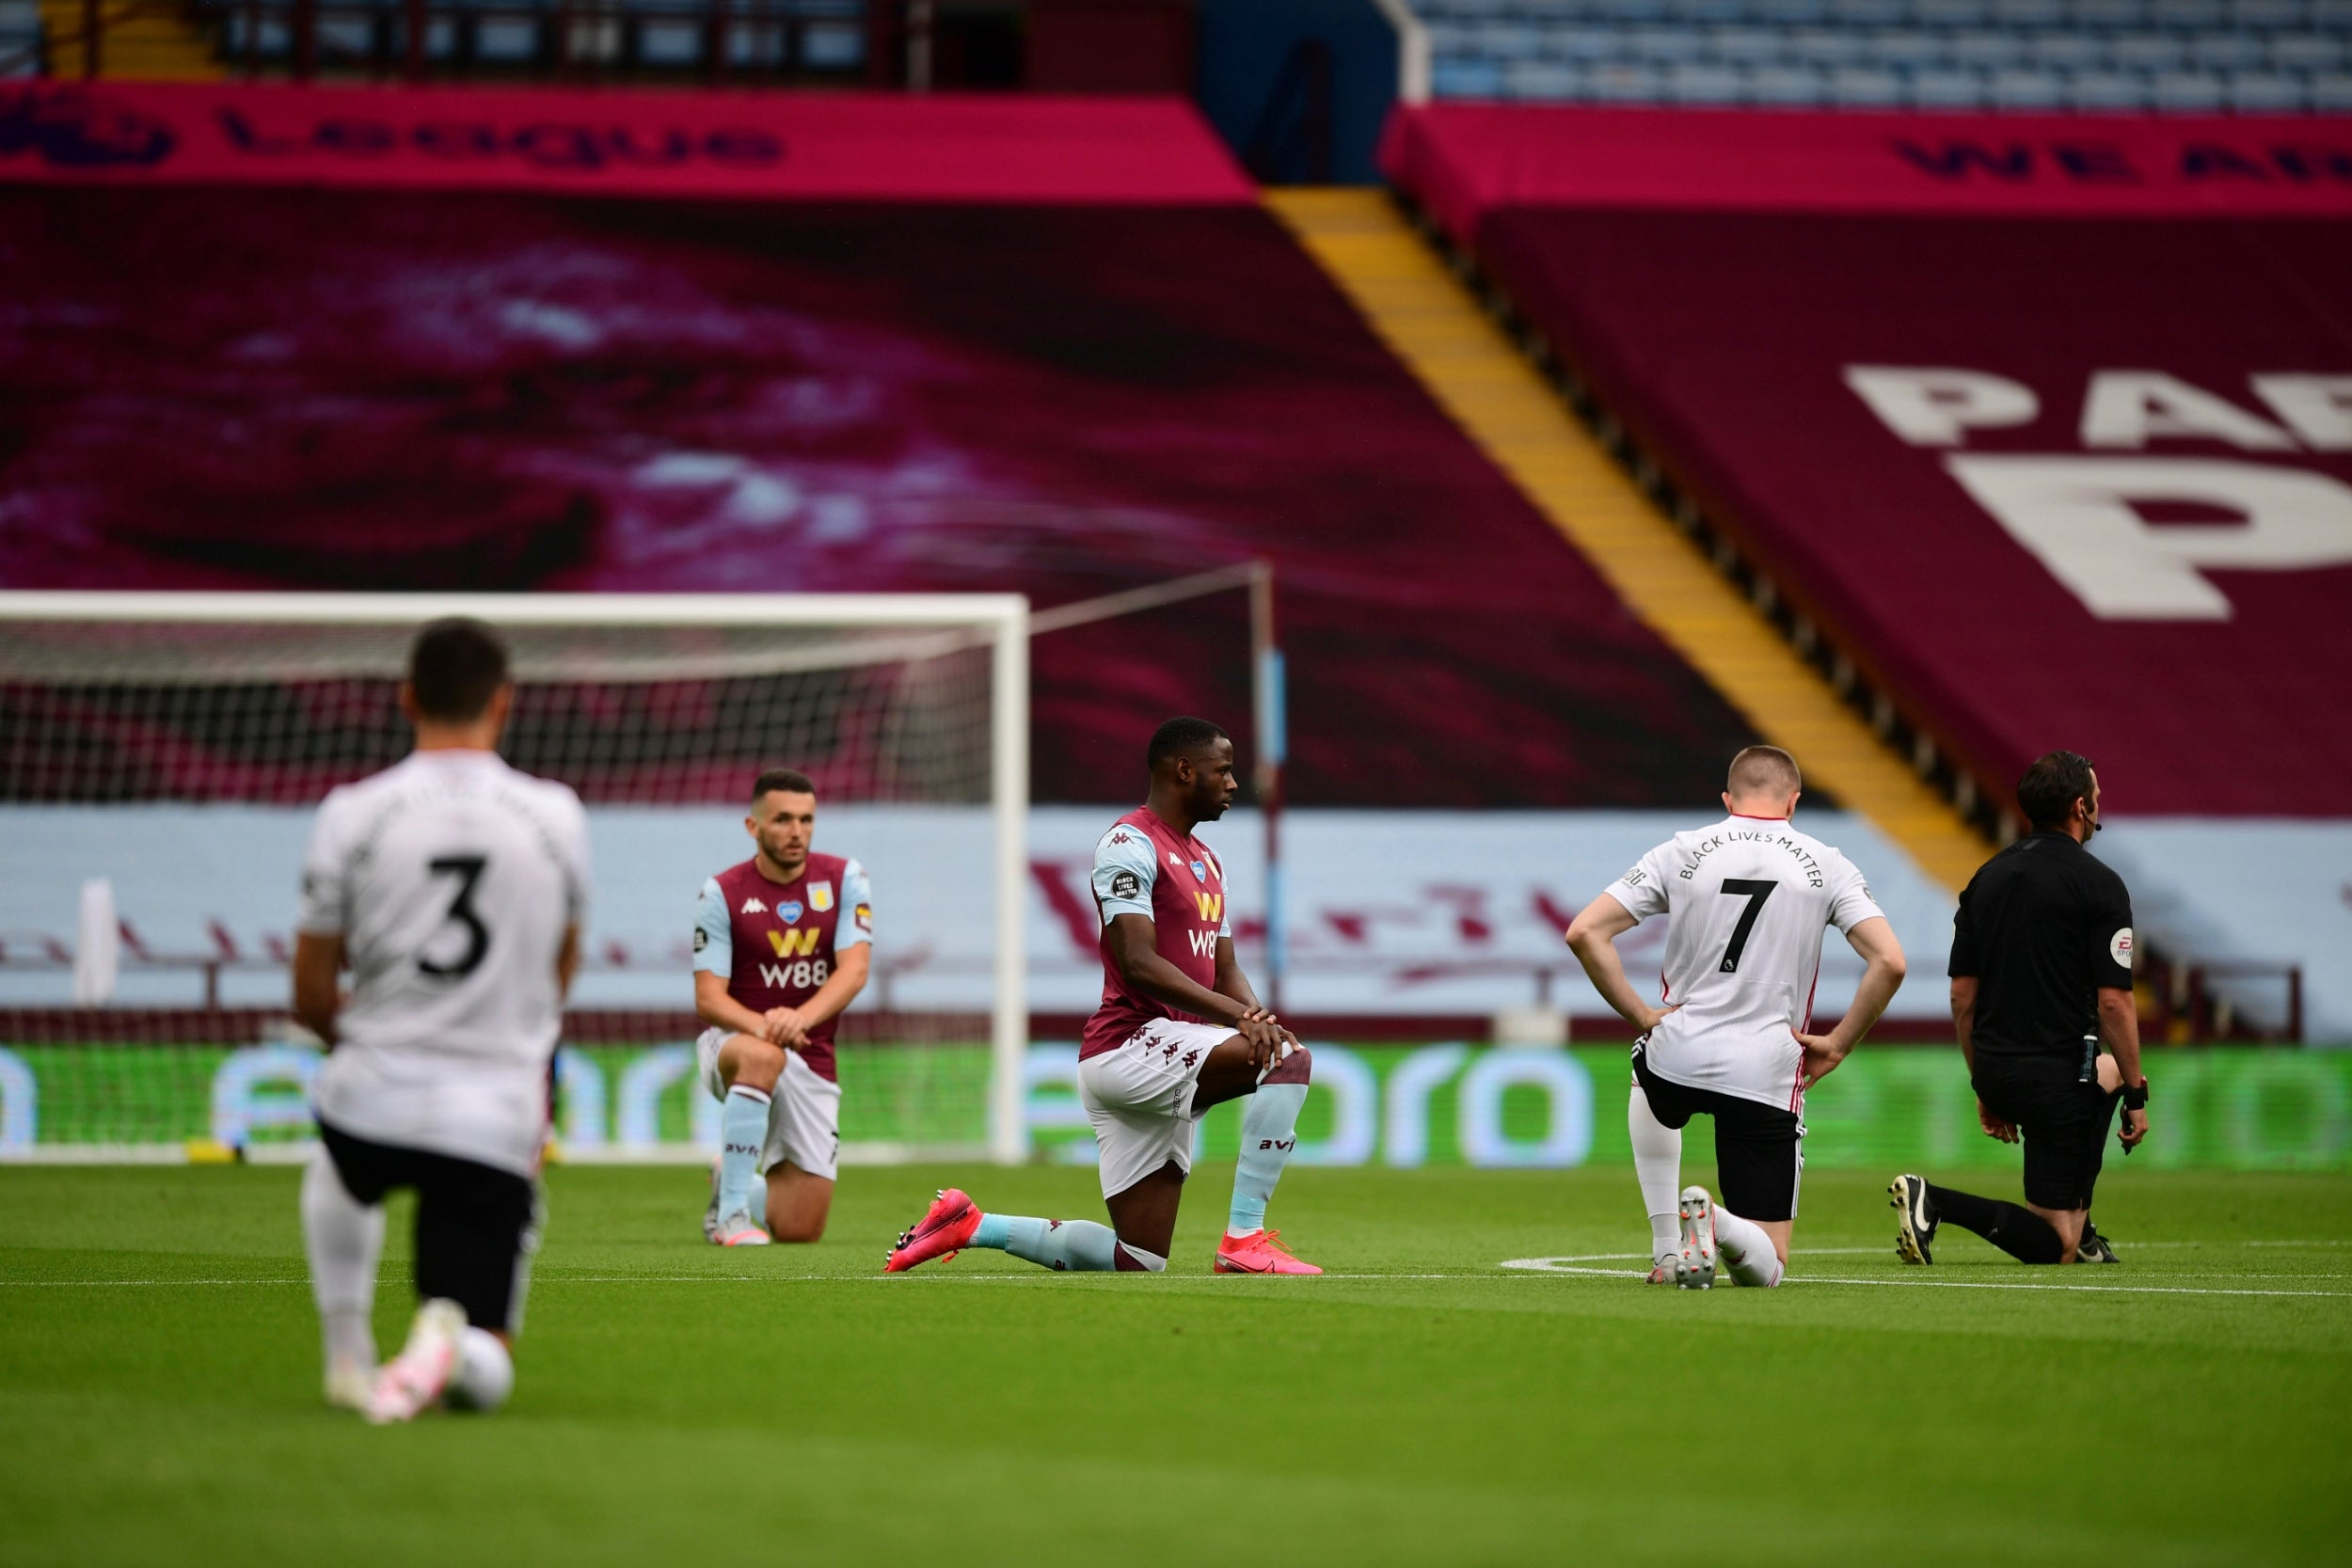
(2062, 1119)
(1759, 1149)
(477, 1225)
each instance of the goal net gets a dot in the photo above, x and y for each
(161, 756)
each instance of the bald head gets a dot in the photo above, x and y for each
(1764, 782)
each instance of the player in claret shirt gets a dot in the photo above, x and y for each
(1179, 1031)
(781, 946)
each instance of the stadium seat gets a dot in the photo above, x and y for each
(1665, 46)
(2146, 50)
(1747, 45)
(1465, 78)
(2266, 92)
(1785, 87)
(1622, 84)
(1827, 46)
(2226, 51)
(2307, 50)
(2111, 90)
(2026, 89)
(2331, 92)
(1908, 48)
(1542, 80)
(1946, 90)
(2185, 91)
(2067, 52)
(1705, 84)
(1864, 86)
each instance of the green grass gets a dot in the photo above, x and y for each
(678, 1405)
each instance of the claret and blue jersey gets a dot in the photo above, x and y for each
(776, 942)
(1143, 867)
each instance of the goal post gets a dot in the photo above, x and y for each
(169, 747)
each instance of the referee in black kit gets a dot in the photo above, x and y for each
(2041, 975)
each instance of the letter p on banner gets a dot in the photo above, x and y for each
(2076, 516)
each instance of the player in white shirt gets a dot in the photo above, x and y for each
(453, 887)
(1748, 901)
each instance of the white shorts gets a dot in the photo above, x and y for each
(1140, 1099)
(803, 1118)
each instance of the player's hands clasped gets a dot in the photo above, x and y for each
(784, 1026)
(1994, 1126)
(1268, 1041)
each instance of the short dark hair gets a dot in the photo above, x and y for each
(1180, 738)
(455, 666)
(1762, 769)
(2051, 786)
(789, 779)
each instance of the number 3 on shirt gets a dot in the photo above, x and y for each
(1754, 892)
(468, 870)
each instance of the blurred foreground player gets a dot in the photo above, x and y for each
(2041, 975)
(1748, 901)
(454, 888)
(1179, 1031)
(782, 944)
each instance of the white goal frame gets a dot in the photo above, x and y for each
(998, 621)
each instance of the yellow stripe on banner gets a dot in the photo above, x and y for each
(1426, 317)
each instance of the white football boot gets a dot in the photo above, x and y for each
(1694, 1265)
(413, 1380)
(349, 1385)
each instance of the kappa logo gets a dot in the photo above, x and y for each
(1191, 1056)
(1122, 837)
(81, 130)
(753, 906)
(789, 911)
(794, 944)
(1211, 906)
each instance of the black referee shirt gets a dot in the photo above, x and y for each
(2042, 927)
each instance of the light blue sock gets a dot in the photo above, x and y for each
(1078, 1246)
(1269, 1130)
(759, 1205)
(742, 1128)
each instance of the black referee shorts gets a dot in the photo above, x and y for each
(2062, 1119)
(477, 1225)
(1759, 1149)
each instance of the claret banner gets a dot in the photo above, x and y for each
(884, 146)
(2049, 422)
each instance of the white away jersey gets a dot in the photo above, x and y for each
(451, 878)
(1749, 901)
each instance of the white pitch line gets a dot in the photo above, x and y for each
(1537, 1266)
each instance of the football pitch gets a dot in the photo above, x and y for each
(1422, 1403)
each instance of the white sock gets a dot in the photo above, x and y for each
(344, 1237)
(1658, 1166)
(1747, 1252)
(485, 1373)
(1127, 1259)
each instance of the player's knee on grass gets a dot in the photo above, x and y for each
(754, 1063)
(1296, 1067)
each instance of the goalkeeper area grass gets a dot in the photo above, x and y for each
(677, 1405)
